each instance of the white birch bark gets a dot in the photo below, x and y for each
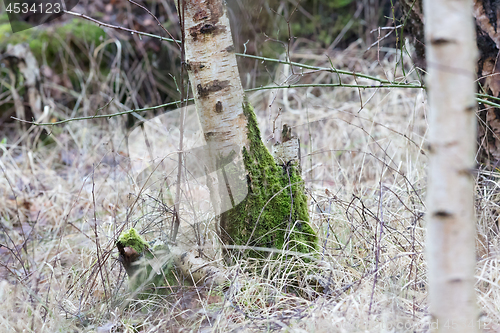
(213, 73)
(218, 93)
(234, 144)
(451, 57)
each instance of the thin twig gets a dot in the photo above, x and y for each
(100, 23)
(157, 21)
(103, 115)
(176, 221)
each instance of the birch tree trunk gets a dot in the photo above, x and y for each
(262, 201)
(262, 204)
(451, 60)
(218, 94)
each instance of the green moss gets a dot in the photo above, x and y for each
(152, 272)
(50, 39)
(132, 239)
(4, 18)
(274, 213)
(82, 31)
(7, 37)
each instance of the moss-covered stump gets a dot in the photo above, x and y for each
(150, 271)
(274, 213)
(156, 270)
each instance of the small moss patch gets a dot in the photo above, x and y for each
(132, 239)
(151, 270)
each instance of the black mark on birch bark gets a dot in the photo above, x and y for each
(218, 107)
(194, 66)
(441, 41)
(209, 12)
(213, 86)
(200, 15)
(442, 214)
(204, 29)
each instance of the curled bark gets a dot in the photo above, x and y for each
(486, 14)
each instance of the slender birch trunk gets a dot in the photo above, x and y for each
(218, 93)
(262, 203)
(451, 60)
(262, 200)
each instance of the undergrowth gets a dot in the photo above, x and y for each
(65, 202)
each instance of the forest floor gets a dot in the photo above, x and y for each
(66, 197)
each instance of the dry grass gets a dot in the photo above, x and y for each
(65, 202)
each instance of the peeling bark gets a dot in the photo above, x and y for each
(487, 15)
(487, 20)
